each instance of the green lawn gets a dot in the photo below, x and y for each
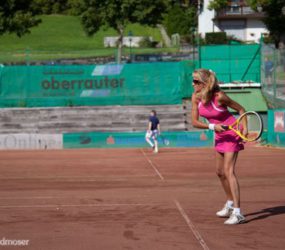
(61, 36)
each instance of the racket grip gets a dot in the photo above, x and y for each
(225, 127)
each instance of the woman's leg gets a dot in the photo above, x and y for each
(221, 174)
(154, 137)
(230, 159)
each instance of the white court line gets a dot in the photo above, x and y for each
(111, 178)
(74, 205)
(48, 197)
(31, 197)
(152, 165)
(191, 226)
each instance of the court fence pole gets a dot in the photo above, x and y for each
(274, 75)
(199, 50)
(260, 57)
(230, 60)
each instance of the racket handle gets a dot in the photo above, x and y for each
(225, 127)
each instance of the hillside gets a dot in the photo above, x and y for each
(61, 36)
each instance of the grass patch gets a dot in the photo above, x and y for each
(60, 36)
(280, 75)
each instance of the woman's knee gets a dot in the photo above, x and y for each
(229, 173)
(221, 174)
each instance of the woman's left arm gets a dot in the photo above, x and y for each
(224, 100)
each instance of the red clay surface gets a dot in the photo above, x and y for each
(131, 199)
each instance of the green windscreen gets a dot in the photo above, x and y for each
(276, 127)
(135, 139)
(232, 62)
(78, 85)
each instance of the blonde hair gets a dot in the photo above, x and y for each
(208, 77)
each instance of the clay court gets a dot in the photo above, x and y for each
(133, 199)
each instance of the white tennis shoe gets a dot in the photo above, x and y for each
(155, 150)
(235, 219)
(225, 212)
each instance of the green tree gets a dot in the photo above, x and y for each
(180, 20)
(117, 14)
(217, 4)
(51, 6)
(17, 16)
(274, 18)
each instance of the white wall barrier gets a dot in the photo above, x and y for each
(31, 141)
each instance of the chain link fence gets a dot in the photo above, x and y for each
(94, 56)
(273, 74)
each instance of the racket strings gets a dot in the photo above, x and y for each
(250, 126)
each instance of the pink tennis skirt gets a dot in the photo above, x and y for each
(228, 141)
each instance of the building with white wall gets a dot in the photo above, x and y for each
(237, 19)
(128, 41)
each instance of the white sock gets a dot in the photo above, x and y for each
(156, 144)
(230, 203)
(236, 210)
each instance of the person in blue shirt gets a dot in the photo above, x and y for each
(269, 67)
(153, 131)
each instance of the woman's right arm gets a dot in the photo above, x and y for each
(195, 115)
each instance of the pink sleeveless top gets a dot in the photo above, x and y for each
(226, 141)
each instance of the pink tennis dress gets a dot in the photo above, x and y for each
(226, 141)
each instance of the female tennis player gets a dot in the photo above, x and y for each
(210, 102)
(153, 131)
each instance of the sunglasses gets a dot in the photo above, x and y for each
(197, 82)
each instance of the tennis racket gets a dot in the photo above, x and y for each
(164, 140)
(252, 122)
